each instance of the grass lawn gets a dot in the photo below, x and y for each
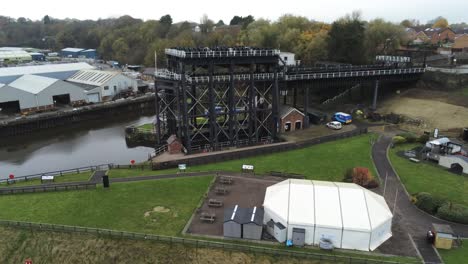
(72, 177)
(122, 207)
(423, 177)
(63, 248)
(455, 256)
(327, 161)
(147, 126)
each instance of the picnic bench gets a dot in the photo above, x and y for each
(221, 190)
(225, 180)
(207, 217)
(215, 203)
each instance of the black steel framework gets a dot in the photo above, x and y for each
(215, 98)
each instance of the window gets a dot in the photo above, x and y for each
(115, 88)
(285, 58)
(106, 88)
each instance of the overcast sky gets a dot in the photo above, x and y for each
(394, 10)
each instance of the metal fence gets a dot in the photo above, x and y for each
(197, 243)
(48, 188)
(57, 173)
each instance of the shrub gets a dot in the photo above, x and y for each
(372, 184)
(428, 203)
(453, 212)
(361, 176)
(423, 138)
(399, 140)
(410, 137)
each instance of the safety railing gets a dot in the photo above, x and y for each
(220, 54)
(310, 76)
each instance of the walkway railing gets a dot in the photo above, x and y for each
(330, 75)
(196, 243)
(57, 173)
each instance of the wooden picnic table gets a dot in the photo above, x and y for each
(225, 180)
(215, 203)
(221, 190)
(208, 217)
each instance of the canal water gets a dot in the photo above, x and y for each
(93, 143)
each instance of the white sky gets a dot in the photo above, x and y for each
(394, 10)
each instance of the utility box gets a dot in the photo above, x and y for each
(298, 237)
(279, 232)
(443, 236)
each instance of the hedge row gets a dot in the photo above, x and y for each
(441, 208)
(408, 137)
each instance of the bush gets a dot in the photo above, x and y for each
(453, 212)
(398, 140)
(372, 184)
(423, 138)
(428, 203)
(361, 176)
(410, 137)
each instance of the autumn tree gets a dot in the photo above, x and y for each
(440, 23)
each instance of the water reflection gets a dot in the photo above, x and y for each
(74, 146)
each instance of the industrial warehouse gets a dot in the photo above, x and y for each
(29, 89)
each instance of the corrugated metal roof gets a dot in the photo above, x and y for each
(72, 49)
(5, 54)
(32, 83)
(46, 68)
(93, 77)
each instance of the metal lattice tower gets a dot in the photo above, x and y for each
(213, 98)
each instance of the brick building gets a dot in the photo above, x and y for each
(291, 119)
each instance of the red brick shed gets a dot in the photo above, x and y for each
(174, 146)
(291, 119)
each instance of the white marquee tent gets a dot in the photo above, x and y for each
(350, 216)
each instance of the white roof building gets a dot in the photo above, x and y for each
(15, 55)
(345, 213)
(32, 92)
(103, 85)
(58, 71)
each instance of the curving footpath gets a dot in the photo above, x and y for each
(415, 221)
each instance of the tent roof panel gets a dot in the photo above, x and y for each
(327, 205)
(353, 207)
(301, 213)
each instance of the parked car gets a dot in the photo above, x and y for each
(342, 118)
(334, 125)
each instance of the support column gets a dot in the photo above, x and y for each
(212, 117)
(194, 94)
(376, 93)
(157, 122)
(295, 95)
(252, 107)
(275, 105)
(231, 104)
(306, 104)
(185, 114)
(285, 97)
